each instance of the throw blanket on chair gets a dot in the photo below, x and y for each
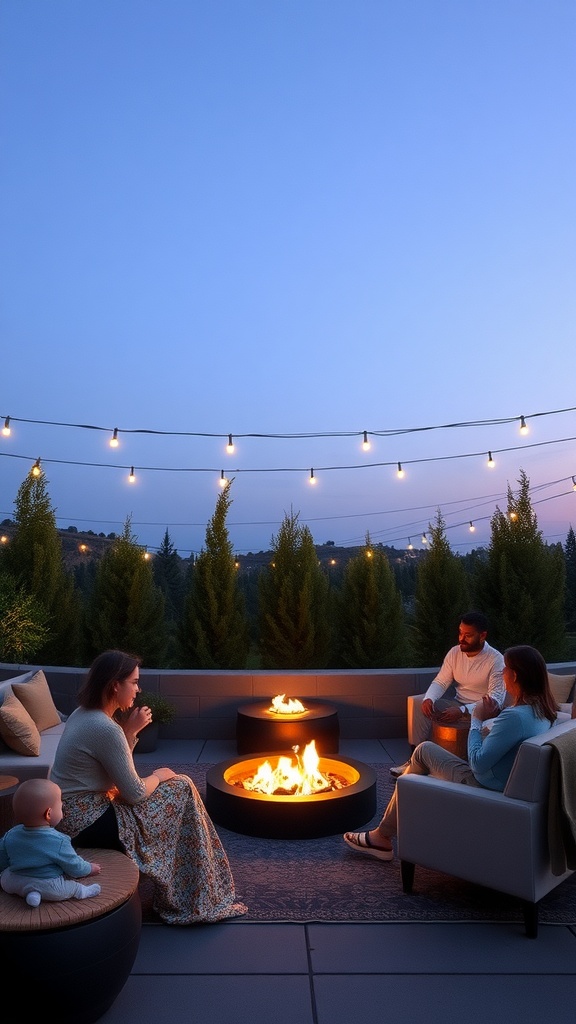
(562, 804)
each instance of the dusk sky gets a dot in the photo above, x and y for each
(291, 221)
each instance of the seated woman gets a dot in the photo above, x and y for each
(159, 821)
(532, 711)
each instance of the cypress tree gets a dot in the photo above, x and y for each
(441, 598)
(570, 560)
(521, 585)
(35, 560)
(294, 619)
(214, 632)
(370, 614)
(126, 609)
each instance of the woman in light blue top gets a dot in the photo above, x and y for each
(532, 710)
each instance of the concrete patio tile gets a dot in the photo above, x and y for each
(200, 999)
(230, 947)
(457, 948)
(442, 998)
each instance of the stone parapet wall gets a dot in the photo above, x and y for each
(371, 703)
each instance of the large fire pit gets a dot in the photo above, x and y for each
(280, 816)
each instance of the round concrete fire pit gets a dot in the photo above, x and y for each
(259, 729)
(290, 817)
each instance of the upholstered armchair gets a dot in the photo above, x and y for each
(499, 840)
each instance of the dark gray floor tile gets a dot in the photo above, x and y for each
(438, 949)
(226, 948)
(439, 999)
(251, 999)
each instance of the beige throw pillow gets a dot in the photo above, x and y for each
(561, 687)
(17, 728)
(36, 697)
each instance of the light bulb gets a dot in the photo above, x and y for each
(471, 527)
(491, 462)
(132, 476)
(222, 481)
(523, 427)
(366, 442)
(574, 483)
(410, 544)
(230, 445)
(424, 538)
(114, 442)
(312, 477)
(6, 428)
(400, 470)
(36, 470)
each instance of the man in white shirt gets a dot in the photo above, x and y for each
(472, 669)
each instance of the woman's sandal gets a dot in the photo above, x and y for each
(360, 843)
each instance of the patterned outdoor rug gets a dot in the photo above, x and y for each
(322, 880)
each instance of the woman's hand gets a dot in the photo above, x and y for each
(135, 721)
(164, 774)
(486, 708)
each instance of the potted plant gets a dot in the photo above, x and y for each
(163, 712)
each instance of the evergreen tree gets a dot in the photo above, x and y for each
(570, 560)
(214, 632)
(23, 628)
(294, 618)
(370, 614)
(126, 609)
(441, 598)
(521, 585)
(34, 558)
(168, 577)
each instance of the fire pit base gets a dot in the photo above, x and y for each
(259, 729)
(290, 817)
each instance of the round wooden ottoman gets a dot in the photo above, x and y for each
(79, 951)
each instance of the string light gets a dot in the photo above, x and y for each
(366, 442)
(6, 428)
(36, 470)
(132, 476)
(230, 445)
(513, 516)
(325, 433)
(523, 427)
(491, 462)
(472, 528)
(400, 472)
(410, 544)
(312, 477)
(114, 442)
(222, 481)
(424, 538)
(574, 483)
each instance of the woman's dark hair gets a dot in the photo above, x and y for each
(108, 668)
(532, 676)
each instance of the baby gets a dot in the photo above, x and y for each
(36, 861)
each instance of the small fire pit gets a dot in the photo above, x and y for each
(270, 725)
(305, 797)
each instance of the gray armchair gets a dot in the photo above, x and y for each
(499, 840)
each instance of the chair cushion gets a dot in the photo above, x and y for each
(17, 728)
(36, 697)
(561, 686)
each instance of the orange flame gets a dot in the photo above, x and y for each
(286, 707)
(301, 779)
